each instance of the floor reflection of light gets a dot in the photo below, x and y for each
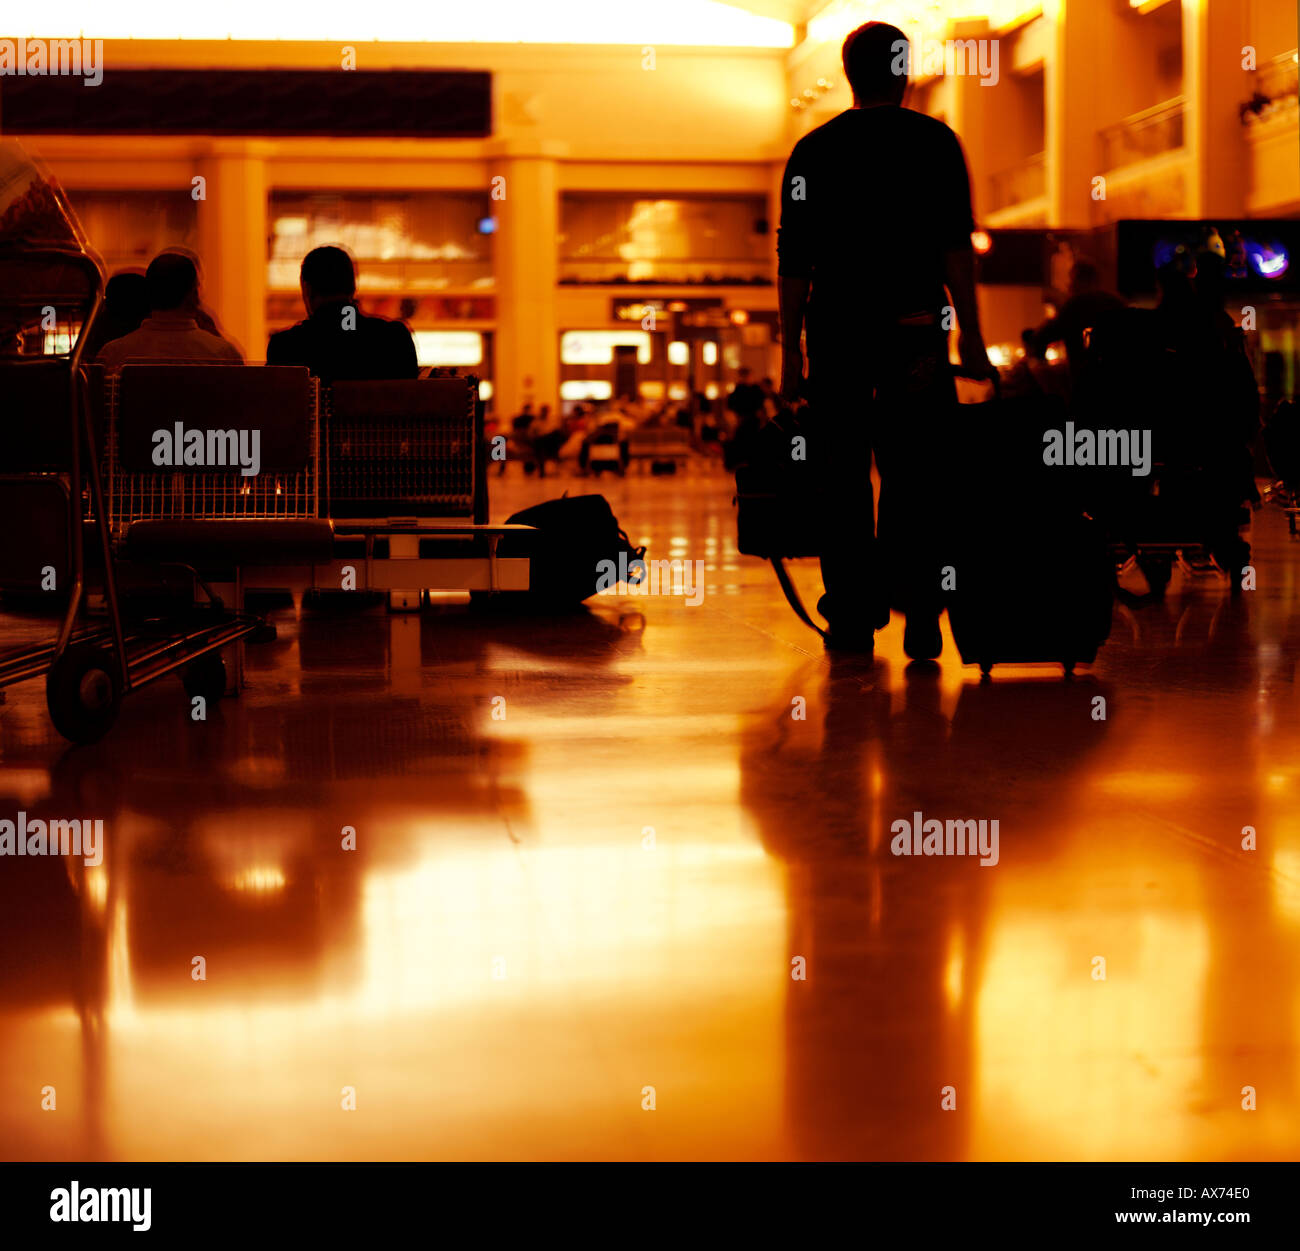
(119, 994)
(1286, 881)
(249, 855)
(703, 726)
(622, 967)
(954, 973)
(1147, 784)
(28, 786)
(1066, 1065)
(259, 770)
(588, 920)
(96, 888)
(257, 879)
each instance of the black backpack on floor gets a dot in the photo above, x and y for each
(575, 534)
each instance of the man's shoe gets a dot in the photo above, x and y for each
(879, 614)
(861, 641)
(922, 639)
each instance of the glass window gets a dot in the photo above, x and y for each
(596, 347)
(129, 228)
(402, 241)
(623, 238)
(586, 389)
(448, 347)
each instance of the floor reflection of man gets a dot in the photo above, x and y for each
(884, 1024)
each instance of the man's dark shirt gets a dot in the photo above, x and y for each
(885, 194)
(374, 348)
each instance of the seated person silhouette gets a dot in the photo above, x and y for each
(338, 341)
(126, 305)
(1087, 306)
(171, 332)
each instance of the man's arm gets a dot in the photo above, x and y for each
(793, 295)
(959, 278)
(959, 265)
(794, 268)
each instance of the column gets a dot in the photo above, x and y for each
(1215, 85)
(974, 115)
(233, 236)
(527, 273)
(1069, 79)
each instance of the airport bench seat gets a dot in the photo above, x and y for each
(402, 448)
(289, 541)
(267, 413)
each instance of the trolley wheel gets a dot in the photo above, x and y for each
(205, 676)
(83, 691)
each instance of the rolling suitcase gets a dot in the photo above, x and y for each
(1033, 578)
(1047, 598)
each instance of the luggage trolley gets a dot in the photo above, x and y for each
(1281, 435)
(224, 521)
(52, 495)
(1179, 521)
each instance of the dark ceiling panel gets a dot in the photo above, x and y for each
(426, 104)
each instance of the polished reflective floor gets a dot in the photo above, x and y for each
(623, 887)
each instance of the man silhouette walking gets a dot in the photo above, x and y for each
(875, 262)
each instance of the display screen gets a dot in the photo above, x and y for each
(1258, 256)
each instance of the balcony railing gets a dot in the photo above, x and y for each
(1279, 77)
(1277, 84)
(1022, 182)
(1152, 132)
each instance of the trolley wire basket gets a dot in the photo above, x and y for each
(401, 449)
(285, 489)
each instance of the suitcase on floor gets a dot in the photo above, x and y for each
(1043, 597)
(1033, 578)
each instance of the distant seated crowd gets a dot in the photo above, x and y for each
(159, 316)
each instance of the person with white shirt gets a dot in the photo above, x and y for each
(171, 332)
